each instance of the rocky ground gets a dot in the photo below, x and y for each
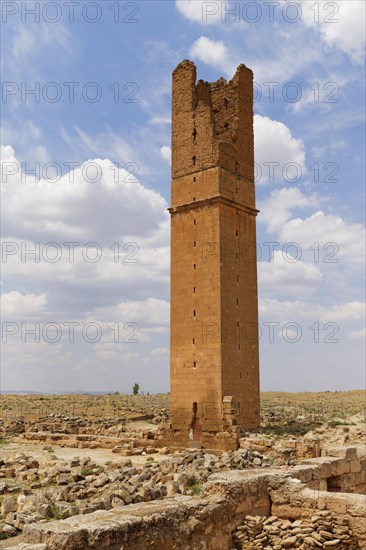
(49, 488)
(60, 465)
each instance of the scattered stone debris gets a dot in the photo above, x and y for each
(43, 489)
(323, 530)
(49, 488)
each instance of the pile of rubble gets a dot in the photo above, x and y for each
(38, 490)
(12, 426)
(322, 530)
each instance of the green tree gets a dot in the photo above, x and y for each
(135, 388)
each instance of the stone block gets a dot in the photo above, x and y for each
(354, 466)
(342, 452)
(337, 505)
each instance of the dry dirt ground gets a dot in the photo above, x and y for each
(282, 413)
(31, 407)
(99, 456)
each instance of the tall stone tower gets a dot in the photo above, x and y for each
(214, 306)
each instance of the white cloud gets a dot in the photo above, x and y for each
(345, 312)
(123, 342)
(33, 364)
(284, 276)
(341, 24)
(323, 92)
(160, 120)
(276, 210)
(7, 154)
(141, 147)
(166, 153)
(30, 140)
(127, 223)
(25, 45)
(150, 311)
(280, 64)
(110, 366)
(274, 143)
(110, 144)
(158, 355)
(106, 279)
(85, 204)
(145, 317)
(288, 310)
(358, 335)
(14, 304)
(338, 241)
(201, 11)
(318, 335)
(348, 238)
(214, 53)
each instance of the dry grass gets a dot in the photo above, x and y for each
(311, 406)
(327, 405)
(34, 406)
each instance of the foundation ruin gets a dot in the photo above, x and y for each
(208, 521)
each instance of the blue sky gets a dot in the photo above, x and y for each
(308, 63)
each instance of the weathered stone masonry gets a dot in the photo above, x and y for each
(207, 522)
(214, 363)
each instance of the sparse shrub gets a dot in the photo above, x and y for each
(56, 514)
(86, 472)
(194, 486)
(233, 464)
(295, 428)
(335, 423)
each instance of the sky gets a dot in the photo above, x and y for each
(85, 134)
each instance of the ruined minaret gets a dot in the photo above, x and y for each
(214, 305)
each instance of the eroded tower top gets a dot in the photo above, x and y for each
(212, 123)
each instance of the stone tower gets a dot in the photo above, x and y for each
(214, 311)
